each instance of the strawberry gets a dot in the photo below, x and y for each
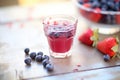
(89, 37)
(118, 19)
(95, 16)
(108, 46)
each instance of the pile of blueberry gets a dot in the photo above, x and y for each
(38, 57)
(105, 5)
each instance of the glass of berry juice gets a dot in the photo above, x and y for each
(60, 31)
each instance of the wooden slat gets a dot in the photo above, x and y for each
(99, 74)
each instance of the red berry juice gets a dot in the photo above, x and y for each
(60, 35)
(60, 44)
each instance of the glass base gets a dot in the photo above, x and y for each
(60, 55)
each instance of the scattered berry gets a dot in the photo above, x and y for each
(40, 53)
(49, 67)
(27, 50)
(33, 55)
(106, 57)
(38, 58)
(45, 62)
(28, 61)
(45, 57)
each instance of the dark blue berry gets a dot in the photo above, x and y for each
(54, 34)
(45, 62)
(116, 8)
(49, 67)
(45, 57)
(91, 1)
(95, 4)
(57, 35)
(51, 35)
(69, 34)
(38, 58)
(33, 55)
(26, 50)
(104, 7)
(28, 61)
(80, 2)
(106, 57)
(110, 4)
(103, 1)
(40, 53)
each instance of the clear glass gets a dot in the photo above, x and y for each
(108, 22)
(60, 31)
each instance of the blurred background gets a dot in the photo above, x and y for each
(26, 2)
(21, 10)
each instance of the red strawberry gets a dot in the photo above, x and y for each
(95, 16)
(118, 19)
(108, 46)
(89, 37)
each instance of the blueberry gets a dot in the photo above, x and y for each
(28, 61)
(69, 34)
(51, 35)
(57, 34)
(33, 55)
(104, 7)
(45, 57)
(103, 1)
(80, 2)
(45, 62)
(106, 57)
(49, 67)
(26, 50)
(91, 1)
(116, 8)
(110, 4)
(38, 58)
(40, 53)
(95, 4)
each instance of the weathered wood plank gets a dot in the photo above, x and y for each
(112, 73)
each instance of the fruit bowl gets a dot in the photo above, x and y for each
(100, 14)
